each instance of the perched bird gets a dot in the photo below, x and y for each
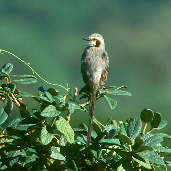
(94, 68)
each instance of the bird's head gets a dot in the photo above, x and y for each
(95, 40)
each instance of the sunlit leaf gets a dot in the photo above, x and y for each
(152, 140)
(7, 68)
(30, 80)
(73, 106)
(45, 136)
(112, 103)
(56, 154)
(50, 111)
(152, 157)
(117, 92)
(134, 128)
(3, 116)
(64, 127)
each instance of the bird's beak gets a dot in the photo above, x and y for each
(86, 38)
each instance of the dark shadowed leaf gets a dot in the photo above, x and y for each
(53, 92)
(64, 127)
(144, 148)
(146, 115)
(142, 163)
(9, 87)
(162, 124)
(45, 95)
(125, 139)
(111, 130)
(45, 137)
(138, 142)
(8, 105)
(50, 111)
(156, 120)
(112, 103)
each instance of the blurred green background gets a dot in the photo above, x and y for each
(137, 35)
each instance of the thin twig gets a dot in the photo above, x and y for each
(150, 131)
(145, 126)
(15, 100)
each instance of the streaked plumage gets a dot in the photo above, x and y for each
(94, 68)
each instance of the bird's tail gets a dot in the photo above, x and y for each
(91, 113)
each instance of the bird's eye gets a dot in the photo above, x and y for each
(94, 39)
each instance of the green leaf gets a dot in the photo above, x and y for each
(125, 139)
(56, 154)
(163, 135)
(50, 111)
(123, 128)
(152, 157)
(110, 142)
(142, 163)
(112, 103)
(23, 76)
(162, 124)
(138, 142)
(7, 68)
(117, 92)
(160, 148)
(152, 140)
(30, 80)
(73, 106)
(144, 148)
(53, 92)
(134, 128)
(8, 105)
(168, 163)
(45, 137)
(64, 127)
(3, 116)
(9, 87)
(146, 115)
(156, 120)
(45, 94)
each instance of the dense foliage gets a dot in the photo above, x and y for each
(42, 137)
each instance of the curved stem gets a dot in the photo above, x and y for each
(33, 71)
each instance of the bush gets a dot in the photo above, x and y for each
(43, 139)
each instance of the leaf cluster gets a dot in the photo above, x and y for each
(42, 138)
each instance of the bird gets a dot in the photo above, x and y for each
(94, 69)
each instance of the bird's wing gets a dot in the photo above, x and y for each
(84, 66)
(103, 79)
